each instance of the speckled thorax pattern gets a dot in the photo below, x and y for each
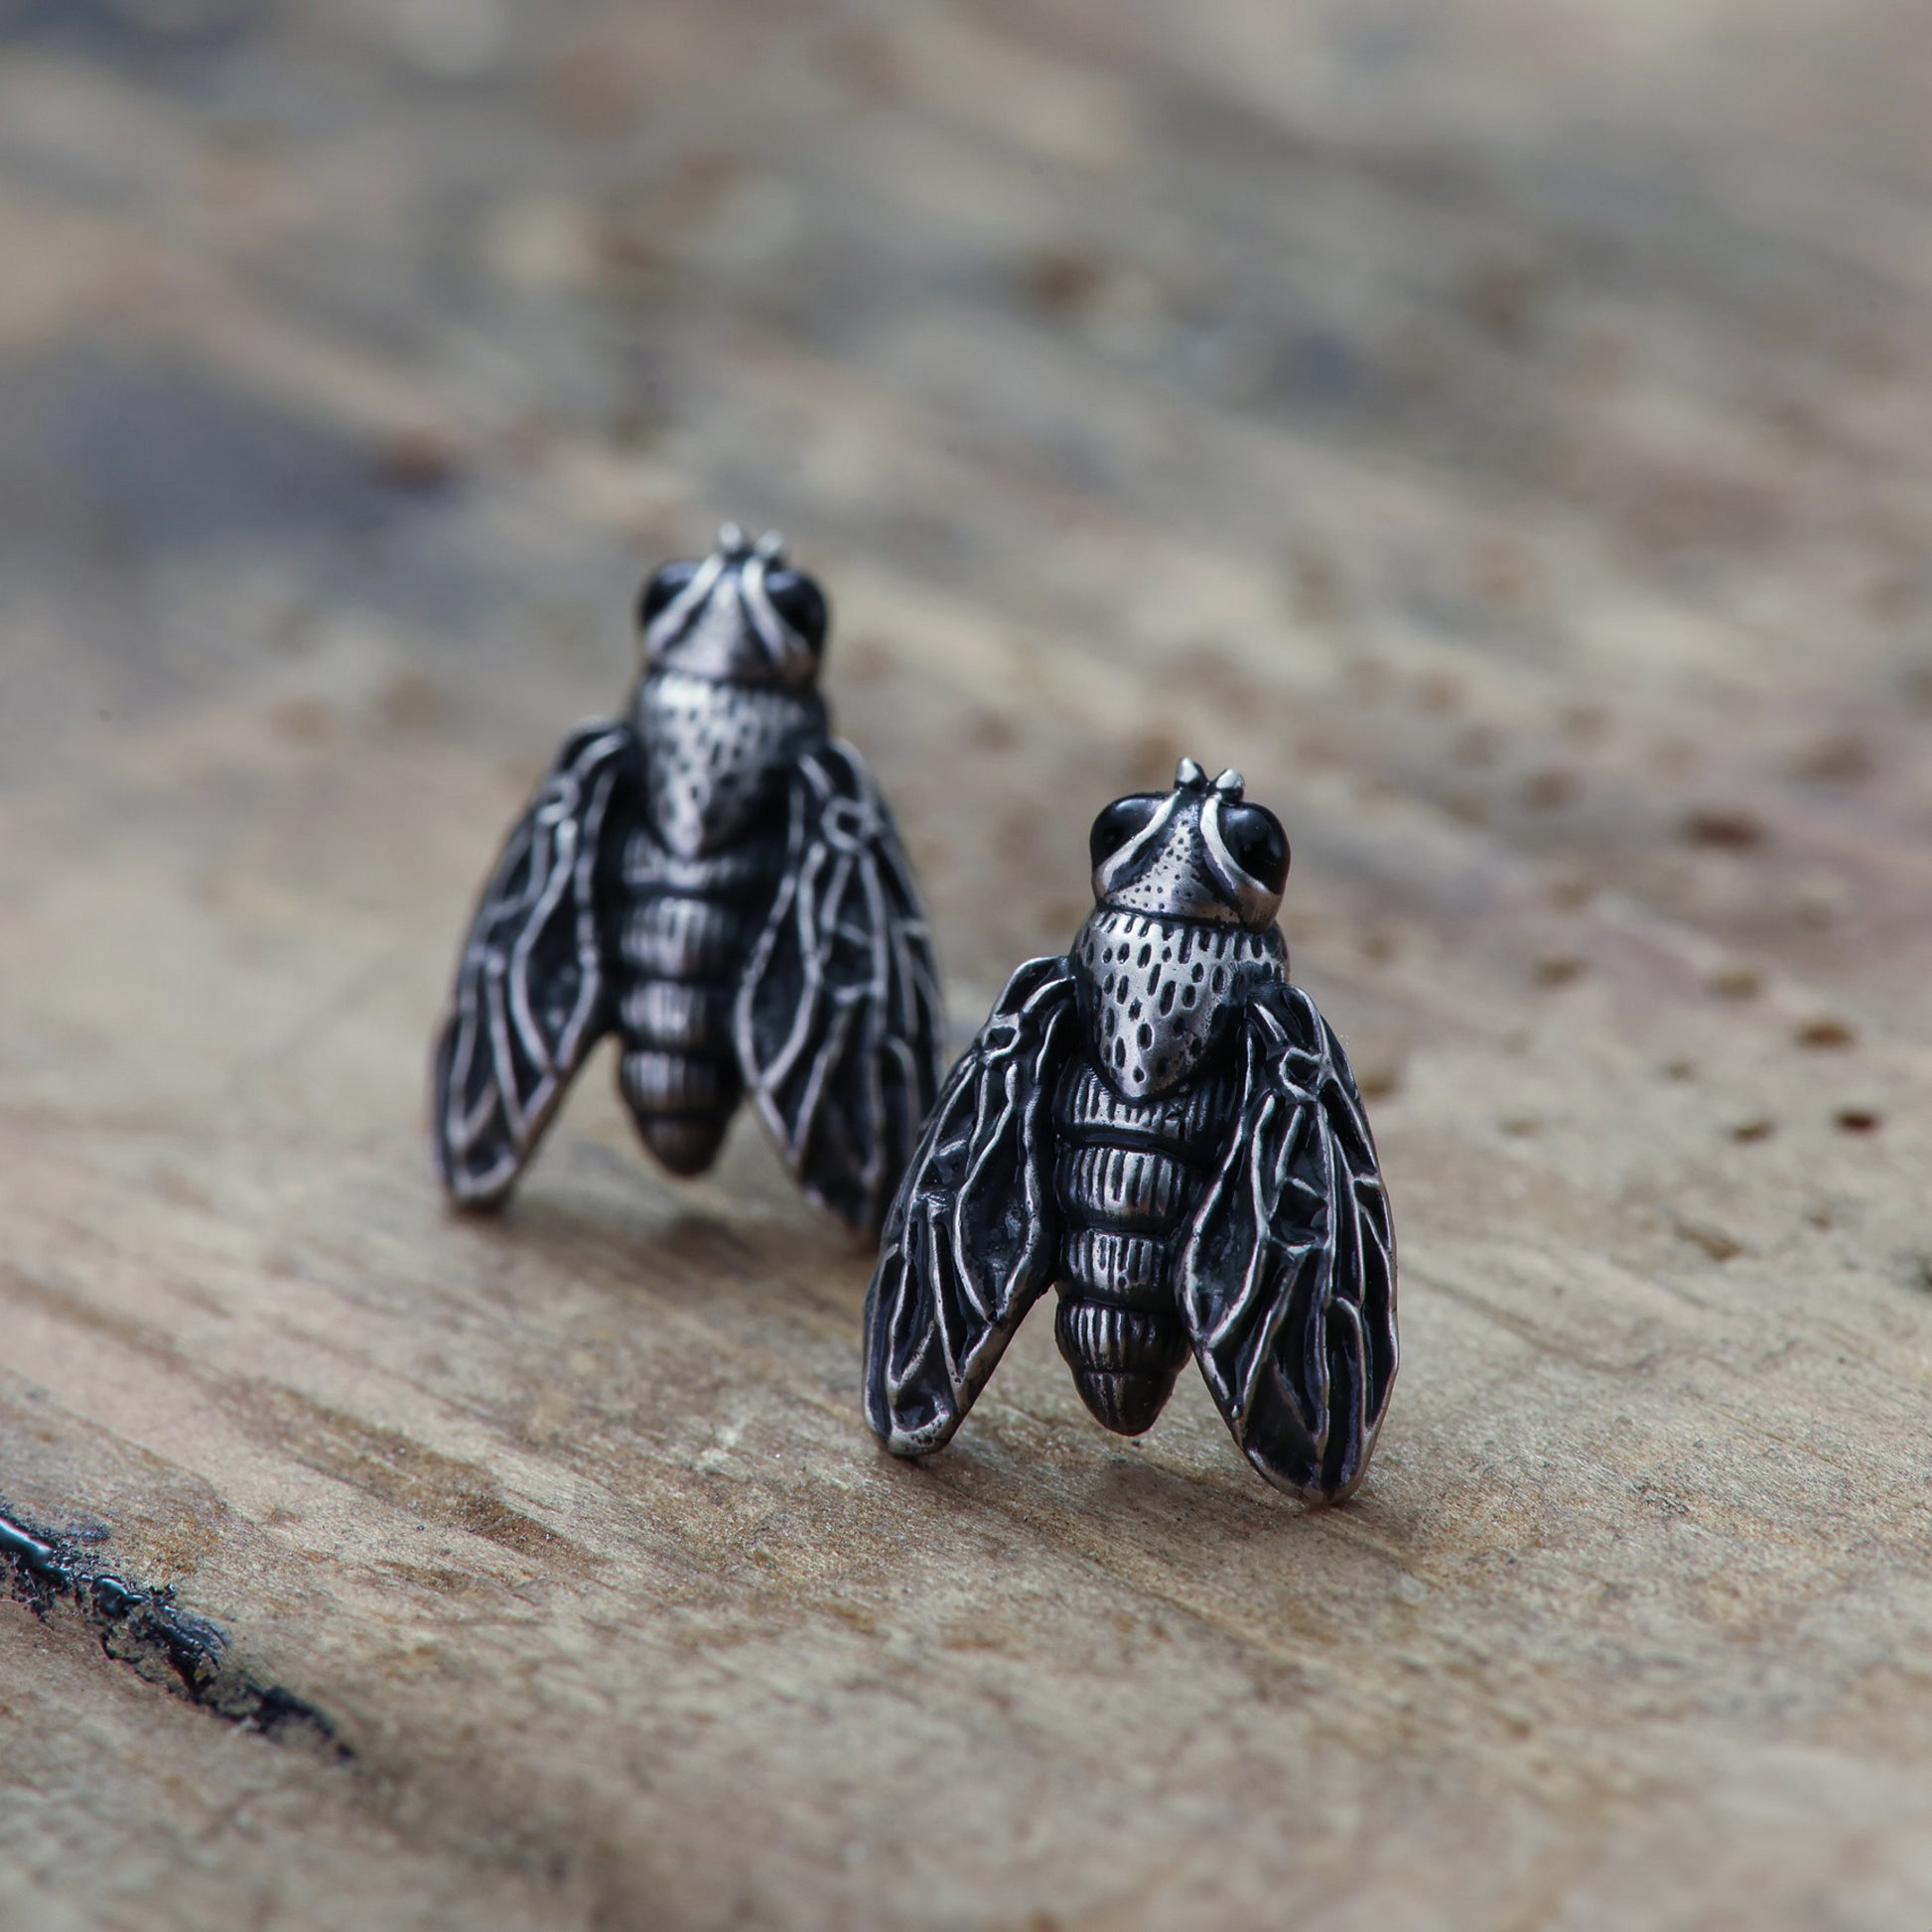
(1159, 996)
(716, 754)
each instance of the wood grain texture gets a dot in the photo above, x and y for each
(1502, 431)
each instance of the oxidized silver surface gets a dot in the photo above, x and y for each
(716, 879)
(1163, 1126)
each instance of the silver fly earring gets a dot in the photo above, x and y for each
(717, 878)
(1165, 1126)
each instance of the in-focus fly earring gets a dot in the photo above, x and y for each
(717, 878)
(1164, 1126)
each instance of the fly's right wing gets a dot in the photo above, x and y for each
(973, 1237)
(532, 989)
(839, 1017)
(1288, 1275)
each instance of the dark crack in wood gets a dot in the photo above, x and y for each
(145, 1629)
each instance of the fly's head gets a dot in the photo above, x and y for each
(1187, 884)
(1197, 852)
(741, 615)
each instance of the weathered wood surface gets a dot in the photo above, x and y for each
(1502, 430)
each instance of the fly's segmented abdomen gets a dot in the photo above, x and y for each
(686, 928)
(1128, 1178)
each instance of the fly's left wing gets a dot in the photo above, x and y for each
(533, 992)
(839, 1020)
(973, 1239)
(1288, 1275)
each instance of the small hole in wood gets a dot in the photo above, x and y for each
(1714, 1241)
(417, 460)
(1558, 969)
(1724, 828)
(1588, 723)
(1842, 759)
(1737, 982)
(1062, 279)
(1378, 1082)
(1549, 791)
(1824, 1036)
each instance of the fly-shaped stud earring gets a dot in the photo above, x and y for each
(715, 878)
(1165, 1126)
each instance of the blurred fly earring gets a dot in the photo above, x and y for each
(715, 878)
(1164, 1126)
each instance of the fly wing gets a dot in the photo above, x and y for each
(839, 1020)
(1287, 1277)
(973, 1238)
(532, 989)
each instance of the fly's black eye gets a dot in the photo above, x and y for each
(800, 602)
(660, 588)
(1121, 821)
(1260, 846)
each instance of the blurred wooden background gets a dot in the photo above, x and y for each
(1503, 430)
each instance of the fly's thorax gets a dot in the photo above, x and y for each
(1160, 996)
(716, 755)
